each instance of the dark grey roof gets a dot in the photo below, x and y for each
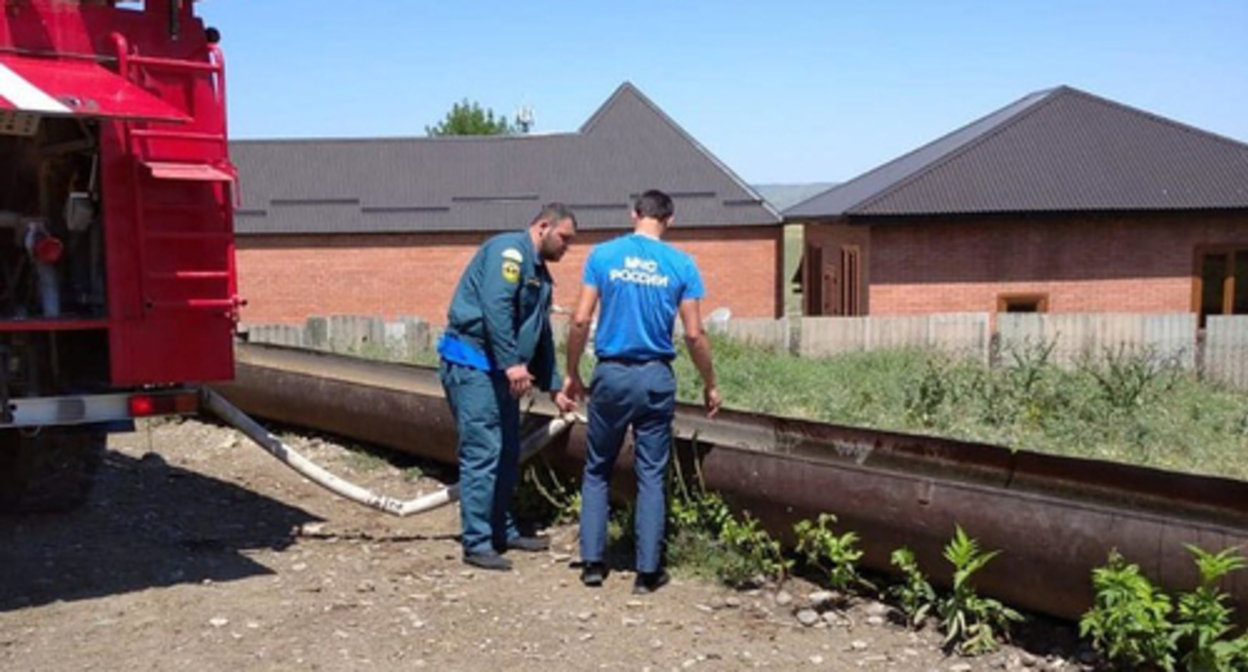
(1055, 150)
(490, 183)
(781, 196)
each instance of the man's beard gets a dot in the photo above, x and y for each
(547, 251)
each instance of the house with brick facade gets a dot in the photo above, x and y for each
(385, 226)
(1062, 201)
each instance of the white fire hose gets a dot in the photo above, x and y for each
(530, 446)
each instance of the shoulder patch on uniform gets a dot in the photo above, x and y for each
(511, 271)
(513, 254)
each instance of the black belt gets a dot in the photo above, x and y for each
(629, 361)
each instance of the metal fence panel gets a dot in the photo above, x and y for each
(1173, 337)
(964, 334)
(895, 332)
(277, 334)
(827, 336)
(1078, 337)
(766, 333)
(1226, 349)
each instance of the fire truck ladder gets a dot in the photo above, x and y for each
(187, 284)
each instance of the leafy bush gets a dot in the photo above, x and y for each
(1129, 621)
(914, 595)
(1127, 380)
(927, 399)
(1204, 619)
(749, 553)
(705, 538)
(544, 497)
(835, 555)
(971, 623)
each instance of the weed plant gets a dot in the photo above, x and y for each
(544, 498)
(835, 555)
(914, 595)
(706, 539)
(1129, 623)
(1135, 625)
(1204, 620)
(972, 624)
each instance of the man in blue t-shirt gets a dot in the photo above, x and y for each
(643, 283)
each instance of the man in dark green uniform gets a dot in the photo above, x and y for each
(497, 346)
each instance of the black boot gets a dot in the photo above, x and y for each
(593, 574)
(648, 582)
(488, 560)
(528, 544)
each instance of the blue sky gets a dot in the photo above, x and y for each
(781, 91)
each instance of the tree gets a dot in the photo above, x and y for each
(469, 119)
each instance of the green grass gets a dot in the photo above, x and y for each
(1125, 409)
(793, 244)
(382, 353)
(1128, 409)
(364, 461)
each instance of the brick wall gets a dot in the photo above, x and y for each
(285, 279)
(830, 239)
(1084, 263)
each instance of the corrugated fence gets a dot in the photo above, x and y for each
(956, 333)
(1226, 350)
(1222, 353)
(1078, 337)
(400, 339)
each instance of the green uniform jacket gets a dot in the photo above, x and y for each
(502, 308)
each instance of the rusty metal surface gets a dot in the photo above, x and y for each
(1054, 518)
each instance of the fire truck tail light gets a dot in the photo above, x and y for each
(144, 405)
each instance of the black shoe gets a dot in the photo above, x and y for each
(488, 560)
(528, 544)
(648, 582)
(593, 574)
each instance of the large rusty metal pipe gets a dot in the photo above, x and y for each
(1054, 518)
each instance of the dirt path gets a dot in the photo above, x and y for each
(198, 552)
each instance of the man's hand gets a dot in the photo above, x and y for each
(519, 380)
(574, 387)
(565, 403)
(710, 396)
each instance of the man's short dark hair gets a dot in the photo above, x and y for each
(555, 213)
(655, 204)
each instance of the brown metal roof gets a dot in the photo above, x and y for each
(490, 183)
(1056, 150)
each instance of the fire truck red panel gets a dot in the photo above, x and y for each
(166, 170)
(66, 87)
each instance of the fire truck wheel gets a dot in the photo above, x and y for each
(48, 472)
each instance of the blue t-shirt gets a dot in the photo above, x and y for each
(641, 282)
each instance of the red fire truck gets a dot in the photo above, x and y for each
(118, 291)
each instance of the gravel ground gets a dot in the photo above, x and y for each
(200, 552)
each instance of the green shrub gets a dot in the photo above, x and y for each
(542, 496)
(1204, 619)
(971, 623)
(835, 555)
(1129, 622)
(914, 595)
(706, 539)
(1129, 379)
(749, 553)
